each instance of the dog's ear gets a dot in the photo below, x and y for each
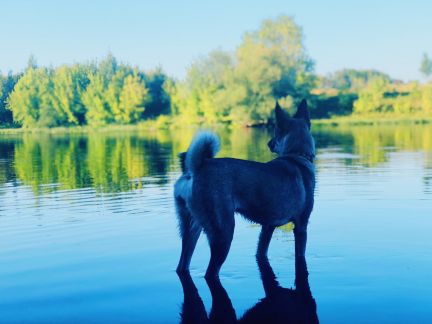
(281, 116)
(303, 112)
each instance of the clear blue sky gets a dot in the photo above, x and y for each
(386, 35)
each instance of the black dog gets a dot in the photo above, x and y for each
(211, 190)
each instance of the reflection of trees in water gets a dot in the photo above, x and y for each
(372, 143)
(121, 162)
(331, 137)
(427, 178)
(44, 159)
(107, 163)
(7, 173)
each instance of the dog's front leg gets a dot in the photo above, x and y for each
(264, 241)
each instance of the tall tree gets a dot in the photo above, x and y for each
(158, 100)
(96, 98)
(272, 63)
(131, 100)
(206, 84)
(69, 82)
(426, 65)
(31, 99)
(116, 93)
(7, 83)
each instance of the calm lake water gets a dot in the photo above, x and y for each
(88, 231)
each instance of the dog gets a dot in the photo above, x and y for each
(211, 190)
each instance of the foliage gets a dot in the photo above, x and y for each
(352, 80)
(30, 101)
(158, 100)
(115, 94)
(68, 86)
(239, 87)
(93, 94)
(7, 83)
(270, 63)
(379, 97)
(204, 94)
(327, 106)
(426, 66)
(371, 98)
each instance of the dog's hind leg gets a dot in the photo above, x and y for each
(220, 242)
(189, 231)
(300, 237)
(264, 241)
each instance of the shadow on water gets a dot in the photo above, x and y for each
(280, 305)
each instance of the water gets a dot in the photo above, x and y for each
(88, 230)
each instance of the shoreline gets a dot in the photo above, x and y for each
(371, 120)
(150, 126)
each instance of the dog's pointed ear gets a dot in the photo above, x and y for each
(303, 112)
(281, 115)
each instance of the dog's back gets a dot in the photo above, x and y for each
(272, 193)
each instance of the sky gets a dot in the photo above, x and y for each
(390, 36)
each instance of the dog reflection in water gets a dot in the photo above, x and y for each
(280, 305)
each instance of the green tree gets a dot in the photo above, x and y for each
(371, 98)
(206, 87)
(158, 99)
(7, 84)
(31, 100)
(94, 98)
(68, 85)
(131, 100)
(32, 62)
(116, 93)
(272, 63)
(352, 80)
(426, 65)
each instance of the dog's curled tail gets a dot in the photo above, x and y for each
(205, 145)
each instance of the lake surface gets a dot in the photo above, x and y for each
(88, 231)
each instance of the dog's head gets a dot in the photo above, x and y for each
(292, 134)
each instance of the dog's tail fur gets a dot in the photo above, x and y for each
(205, 145)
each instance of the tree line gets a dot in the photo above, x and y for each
(240, 87)
(95, 94)
(372, 93)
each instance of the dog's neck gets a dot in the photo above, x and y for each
(308, 157)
